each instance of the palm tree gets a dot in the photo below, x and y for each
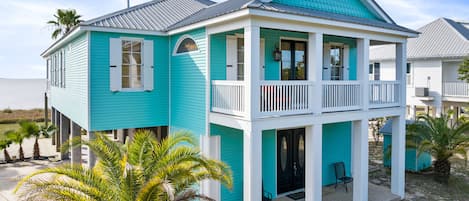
(64, 21)
(45, 131)
(442, 138)
(4, 144)
(143, 169)
(26, 130)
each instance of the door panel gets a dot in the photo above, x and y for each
(231, 60)
(290, 160)
(293, 65)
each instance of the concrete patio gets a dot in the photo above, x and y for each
(329, 193)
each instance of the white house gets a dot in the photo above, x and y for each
(433, 60)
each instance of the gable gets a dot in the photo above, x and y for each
(344, 7)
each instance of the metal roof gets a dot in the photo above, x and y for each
(442, 38)
(235, 5)
(156, 15)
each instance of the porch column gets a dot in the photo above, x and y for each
(313, 159)
(76, 151)
(54, 123)
(401, 73)
(120, 135)
(252, 163)
(57, 131)
(91, 156)
(437, 110)
(64, 135)
(398, 156)
(252, 70)
(412, 112)
(363, 52)
(314, 70)
(360, 160)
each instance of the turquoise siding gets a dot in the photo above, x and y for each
(413, 162)
(345, 7)
(127, 109)
(218, 54)
(352, 43)
(72, 101)
(336, 147)
(269, 158)
(231, 154)
(188, 73)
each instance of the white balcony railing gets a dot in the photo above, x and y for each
(384, 94)
(456, 89)
(341, 96)
(285, 97)
(228, 97)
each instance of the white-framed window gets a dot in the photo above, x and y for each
(409, 74)
(131, 64)
(185, 44)
(374, 71)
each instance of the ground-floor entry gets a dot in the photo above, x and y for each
(290, 160)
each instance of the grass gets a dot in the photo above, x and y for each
(8, 116)
(7, 127)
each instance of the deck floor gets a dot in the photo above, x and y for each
(329, 193)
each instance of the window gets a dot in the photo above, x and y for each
(186, 44)
(240, 55)
(376, 70)
(408, 74)
(293, 65)
(131, 64)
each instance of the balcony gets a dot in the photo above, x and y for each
(280, 98)
(456, 89)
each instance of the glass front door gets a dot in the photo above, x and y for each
(293, 60)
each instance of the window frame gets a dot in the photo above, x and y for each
(179, 42)
(142, 87)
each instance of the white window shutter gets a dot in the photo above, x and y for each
(346, 62)
(115, 64)
(231, 58)
(148, 65)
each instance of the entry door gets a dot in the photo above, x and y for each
(293, 60)
(290, 160)
(235, 58)
(336, 65)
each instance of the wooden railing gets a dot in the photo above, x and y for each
(456, 89)
(228, 97)
(285, 97)
(384, 94)
(341, 96)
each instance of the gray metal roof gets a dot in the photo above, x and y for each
(235, 5)
(155, 15)
(443, 38)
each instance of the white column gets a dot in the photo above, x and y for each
(252, 163)
(252, 70)
(75, 152)
(315, 60)
(363, 52)
(54, 123)
(412, 112)
(91, 155)
(313, 170)
(360, 160)
(398, 156)
(437, 110)
(401, 65)
(64, 135)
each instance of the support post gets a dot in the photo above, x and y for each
(363, 52)
(315, 60)
(91, 155)
(412, 112)
(313, 159)
(76, 151)
(64, 136)
(120, 135)
(252, 70)
(57, 131)
(360, 160)
(401, 72)
(398, 156)
(54, 123)
(252, 163)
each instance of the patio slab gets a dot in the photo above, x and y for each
(375, 193)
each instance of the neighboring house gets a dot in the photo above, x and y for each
(278, 89)
(433, 61)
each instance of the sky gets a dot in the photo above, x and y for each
(24, 34)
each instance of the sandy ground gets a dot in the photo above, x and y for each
(45, 147)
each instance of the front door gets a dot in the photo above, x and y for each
(290, 160)
(293, 60)
(235, 58)
(336, 64)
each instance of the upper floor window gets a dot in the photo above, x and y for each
(131, 64)
(186, 44)
(409, 74)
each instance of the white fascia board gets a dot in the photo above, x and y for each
(77, 31)
(378, 10)
(222, 18)
(326, 22)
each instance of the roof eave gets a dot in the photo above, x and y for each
(77, 30)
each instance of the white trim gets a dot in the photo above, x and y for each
(120, 30)
(178, 43)
(377, 10)
(72, 35)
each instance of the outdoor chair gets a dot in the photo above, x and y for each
(266, 196)
(341, 176)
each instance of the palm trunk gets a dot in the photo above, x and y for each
(7, 155)
(21, 153)
(442, 170)
(36, 153)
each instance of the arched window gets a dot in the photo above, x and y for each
(186, 44)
